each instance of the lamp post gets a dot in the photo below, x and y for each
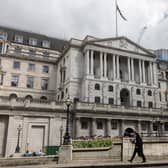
(67, 138)
(61, 131)
(17, 150)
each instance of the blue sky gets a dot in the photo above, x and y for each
(78, 18)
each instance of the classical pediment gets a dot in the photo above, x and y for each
(122, 43)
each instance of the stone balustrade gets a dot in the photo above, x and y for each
(117, 108)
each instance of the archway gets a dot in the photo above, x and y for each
(125, 97)
(128, 132)
(12, 96)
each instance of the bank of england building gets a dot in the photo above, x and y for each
(114, 84)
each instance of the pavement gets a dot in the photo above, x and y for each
(148, 164)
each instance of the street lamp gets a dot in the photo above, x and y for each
(61, 131)
(17, 150)
(67, 138)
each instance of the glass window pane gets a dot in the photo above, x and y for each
(16, 65)
(44, 84)
(30, 82)
(14, 80)
(45, 69)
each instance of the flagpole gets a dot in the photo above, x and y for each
(116, 19)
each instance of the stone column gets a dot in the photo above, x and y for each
(154, 74)
(108, 127)
(93, 127)
(150, 128)
(78, 126)
(129, 75)
(140, 72)
(139, 127)
(121, 131)
(114, 67)
(105, 65)
(87, 62)
(132, 68)
(118, 67)
(92, 63)
(151, 73)
(101, 64)
(143, 69)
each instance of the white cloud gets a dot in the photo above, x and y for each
(77, 18)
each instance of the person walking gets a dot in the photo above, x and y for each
(138, 147)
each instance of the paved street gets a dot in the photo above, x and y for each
(150, 164)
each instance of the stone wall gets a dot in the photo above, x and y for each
(104, 154)
(154, 148)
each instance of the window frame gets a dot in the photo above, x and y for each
(97, 100)
(16, 67)
(32, 41)
(17, 81)
(31, 69)
(31, 84)
(110, 88)
(44, 79)
(138, 91)
(46, 44)
(44, 70)
(97, 86)
(18, 38)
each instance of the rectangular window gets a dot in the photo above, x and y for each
(31, 67)
(114, 125)
(45, 69)
(46, 44)
(84, 125)
(18, 39)
(99, 125)
(155, 127)
(144, 126)
(44, 84)
(30, 82)
(16, 65)
(166, 126)
(14, 80)
(32, 41)
(111, 101)
(97, 99)
(150, 104)
(139, 104)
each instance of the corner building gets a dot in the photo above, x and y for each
(114, 84)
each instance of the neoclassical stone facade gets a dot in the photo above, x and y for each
(112, 82)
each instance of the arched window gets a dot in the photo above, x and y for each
(149, 93)
(12, 96)
(110, 88)
(43, 98)
(28, 98)
(138, 91)
(97, 86)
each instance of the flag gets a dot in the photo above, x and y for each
(118, 9)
